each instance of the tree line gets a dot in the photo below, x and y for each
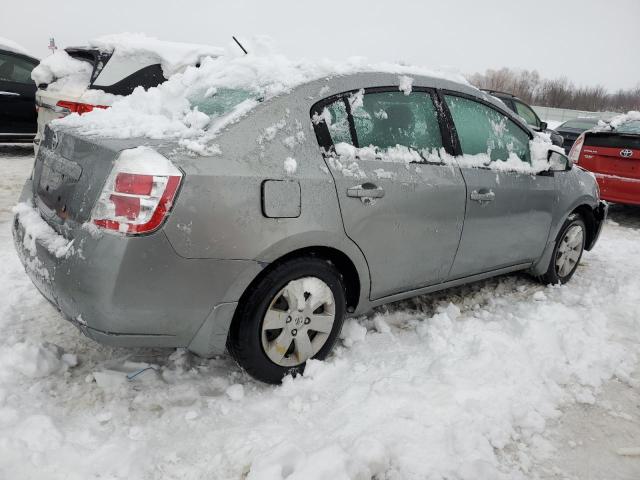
(558, 92)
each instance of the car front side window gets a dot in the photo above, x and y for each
(384, 121)
(483, 130)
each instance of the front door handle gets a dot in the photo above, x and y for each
(366, 190)
(483, 195)
(9, 94)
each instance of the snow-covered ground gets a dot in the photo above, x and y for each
(504, 378)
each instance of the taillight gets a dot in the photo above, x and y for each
(77, 107)
(574, 153)
(139, 192)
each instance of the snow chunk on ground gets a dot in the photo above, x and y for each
(34, 360)
(290, 165)
(37, 230)
(405, 84)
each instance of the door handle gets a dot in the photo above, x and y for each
(483, 195)
(9, 94)
(366, 190)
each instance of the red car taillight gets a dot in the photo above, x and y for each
(139, 192)
(77, 107)
(576, 149)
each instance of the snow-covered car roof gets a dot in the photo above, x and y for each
(11, 46)
(170, 111)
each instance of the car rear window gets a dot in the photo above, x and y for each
(584, 123)
(221, 101)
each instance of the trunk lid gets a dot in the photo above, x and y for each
(611, 153)
(68, 176)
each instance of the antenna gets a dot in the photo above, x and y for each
(239, 44)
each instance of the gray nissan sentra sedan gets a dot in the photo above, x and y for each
(344, 193)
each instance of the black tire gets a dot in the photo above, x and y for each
(553, 275)
(244, 340)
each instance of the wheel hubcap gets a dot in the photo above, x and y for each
(569, 250)
(298, 321)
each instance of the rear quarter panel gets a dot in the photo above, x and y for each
(219, 212)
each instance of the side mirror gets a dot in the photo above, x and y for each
(543, 126)
(558, 162)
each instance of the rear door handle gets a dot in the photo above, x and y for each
(366, 190)
(483, 195)
(9, 94)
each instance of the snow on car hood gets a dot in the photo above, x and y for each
(169, 112)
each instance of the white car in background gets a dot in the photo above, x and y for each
(79, 79)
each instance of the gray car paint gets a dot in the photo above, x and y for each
(179, 286)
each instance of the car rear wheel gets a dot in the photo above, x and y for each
(294, 313)
(567, 252)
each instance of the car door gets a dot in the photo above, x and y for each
(17, 95)
(400, 204)
(509, 213)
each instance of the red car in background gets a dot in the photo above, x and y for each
(612, 153)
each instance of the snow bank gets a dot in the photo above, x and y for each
(63, 72)
(169, 110)
(172, 56)
(37, 230)
(11, 46)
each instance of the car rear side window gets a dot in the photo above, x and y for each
(14, 69)
(483, 130)
(384, 120)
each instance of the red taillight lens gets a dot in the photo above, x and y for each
(77, 107)
(576, 149)
(134, 184)
(139, 193)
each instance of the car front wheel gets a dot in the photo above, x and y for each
(567, 252)
(292, 314)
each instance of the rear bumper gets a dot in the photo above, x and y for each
(619, 189)
(136, 291)
(600, 214)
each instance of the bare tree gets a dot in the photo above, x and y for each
(558, 92)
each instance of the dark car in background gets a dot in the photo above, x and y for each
(527, 114)
(571, 130)
(18, 119)
(612, 153)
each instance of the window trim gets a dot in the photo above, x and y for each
(509, 114)
(322, 131)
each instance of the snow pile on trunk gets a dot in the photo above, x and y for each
(11, 46)
(39, 231)
(172, 56)
(167, 111)
(63, 72)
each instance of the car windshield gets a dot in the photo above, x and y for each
(218, 102)
(582, 123)
(632, 126)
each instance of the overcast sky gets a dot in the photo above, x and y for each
(589, 41)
